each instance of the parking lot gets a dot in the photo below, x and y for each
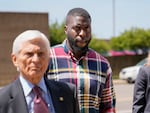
(124, 95)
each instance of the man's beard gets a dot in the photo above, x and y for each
(76, 48)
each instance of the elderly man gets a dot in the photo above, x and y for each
(31, 92)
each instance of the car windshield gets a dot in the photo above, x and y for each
(142, 62)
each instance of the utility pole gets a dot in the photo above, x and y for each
(113, 17)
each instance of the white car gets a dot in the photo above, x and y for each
(130, 73)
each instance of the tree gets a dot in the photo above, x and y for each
(57, 34)
(99, 45)
(131, 39)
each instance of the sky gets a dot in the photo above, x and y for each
(109, 17)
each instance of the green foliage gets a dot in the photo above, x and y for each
(131, 39)
(57, 34)
(99, 45)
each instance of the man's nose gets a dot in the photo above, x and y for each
(35, 58)
(82, 33)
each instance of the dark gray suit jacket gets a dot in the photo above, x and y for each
(141, 98)
(12, 99)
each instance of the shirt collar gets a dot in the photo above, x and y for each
(66, 49)
(27, 86)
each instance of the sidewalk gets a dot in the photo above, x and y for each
(118, 81)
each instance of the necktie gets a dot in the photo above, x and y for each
(40, 105)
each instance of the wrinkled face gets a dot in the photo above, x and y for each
(32, 60)
(78, 31)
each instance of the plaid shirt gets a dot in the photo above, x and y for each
(91, 74)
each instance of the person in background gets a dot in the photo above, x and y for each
(74, 62)
(148, 59)
(141, 95)
(31, 92)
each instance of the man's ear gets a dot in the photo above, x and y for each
(14, 60)
(65, 29)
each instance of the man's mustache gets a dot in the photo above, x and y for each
(85, 39)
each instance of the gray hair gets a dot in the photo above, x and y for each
(26, 36)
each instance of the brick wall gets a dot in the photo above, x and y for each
(11, 25)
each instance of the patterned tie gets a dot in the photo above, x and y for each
(40, 105)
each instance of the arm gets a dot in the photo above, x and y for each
(139, 101)
(108, 99)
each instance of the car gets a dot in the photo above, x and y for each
(130, 73)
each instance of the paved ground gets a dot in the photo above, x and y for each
(118, 81)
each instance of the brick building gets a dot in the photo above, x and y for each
(11, 25)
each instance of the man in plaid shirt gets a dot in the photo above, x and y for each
(74, 62)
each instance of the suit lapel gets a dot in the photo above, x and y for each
(57, 97)
(17, 101)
